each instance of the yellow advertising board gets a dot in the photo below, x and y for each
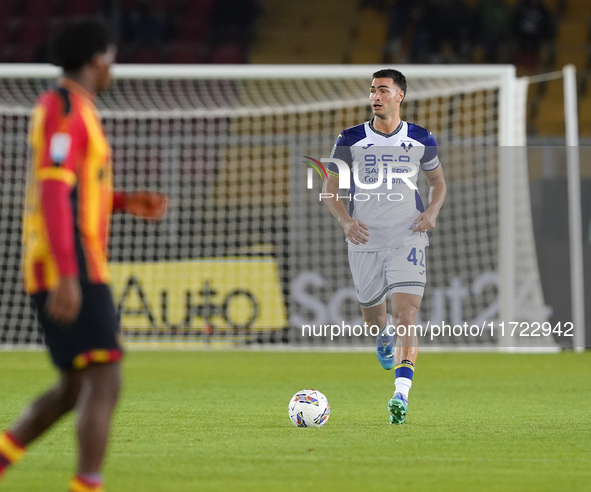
(201, 295)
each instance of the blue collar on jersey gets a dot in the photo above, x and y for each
(385, 134)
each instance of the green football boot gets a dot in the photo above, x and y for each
(398, 407)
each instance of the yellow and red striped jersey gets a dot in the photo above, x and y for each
(68, 145)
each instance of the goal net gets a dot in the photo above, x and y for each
(248, 253)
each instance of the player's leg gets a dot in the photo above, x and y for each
(98, 360)
(375, 315)
(378, 316)
(371, 287)
(48, 408)
(406, 273)
(39, 417)
(405, 308)
(98, 398)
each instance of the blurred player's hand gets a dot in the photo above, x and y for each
(425, 222)
(63, 303)
(356, 231)
(149, 205)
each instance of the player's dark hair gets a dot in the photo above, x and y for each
(75, 43)
(395, 75)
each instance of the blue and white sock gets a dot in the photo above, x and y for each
(403, 377)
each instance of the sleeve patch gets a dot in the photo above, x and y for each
(59, 147)
(432, 164)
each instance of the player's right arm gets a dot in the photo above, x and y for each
(355, 230)
(63, 136)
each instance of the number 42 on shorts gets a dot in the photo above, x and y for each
(412, 257)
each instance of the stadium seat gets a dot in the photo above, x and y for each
(585, 115)
(300, 33)
(6, 52)
(39, 9)
(186, 53)
(192, 30)
(170, 5)
(4, 31)
(230, 52)
(146, 55)
(24, 53)
(196, 9)
(6, 9)
(78, 7)
(372, 35)
(32, 32)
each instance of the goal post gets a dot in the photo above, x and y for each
(247, 253)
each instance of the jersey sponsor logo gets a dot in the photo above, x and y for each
(59, 147)
(383, 172)
(366, 147)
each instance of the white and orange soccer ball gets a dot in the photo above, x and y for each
(309, 408)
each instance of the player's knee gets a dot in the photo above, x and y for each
(377, 320)
(111, 386)
(105, 380)
(68, 391)
(405, 315)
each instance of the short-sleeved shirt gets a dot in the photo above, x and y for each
(388, 210)
(68, 144)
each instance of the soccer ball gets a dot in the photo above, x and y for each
(309, 408)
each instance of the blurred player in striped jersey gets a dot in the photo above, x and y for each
(67, 218)
(386, 225)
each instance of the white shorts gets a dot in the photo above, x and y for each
(375, 273)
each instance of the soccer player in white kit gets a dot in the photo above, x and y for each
(386, 226)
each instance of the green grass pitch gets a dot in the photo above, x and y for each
(194, 421)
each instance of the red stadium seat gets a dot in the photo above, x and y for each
(6, 53)
(4, 31)
(39, 9)
(78, 7)
(169, 5)
(24, 53)
(230, 52)
(6, 9)
(32, 32)
(196, 9)
(146, 54)
(187, 53)
(192, 30)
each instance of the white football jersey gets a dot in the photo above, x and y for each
(387, 209)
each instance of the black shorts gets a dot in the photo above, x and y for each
(92, 338)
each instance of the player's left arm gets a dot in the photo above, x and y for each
(437, 192)
(150, 205)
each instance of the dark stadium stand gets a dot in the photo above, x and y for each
(149, 31)
(353, 31)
